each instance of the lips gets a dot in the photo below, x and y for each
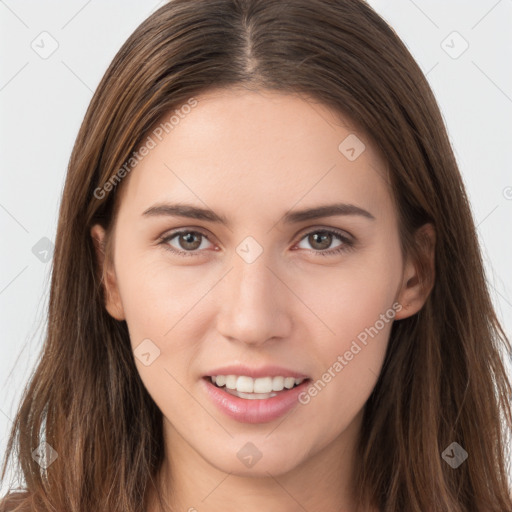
(252, 395)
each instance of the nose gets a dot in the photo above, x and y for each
(254, 303)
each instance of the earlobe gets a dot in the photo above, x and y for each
(419, 273)
(107, 274)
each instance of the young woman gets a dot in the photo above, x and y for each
(267, 290)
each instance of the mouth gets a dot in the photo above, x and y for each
(255, 394)
(249, 388)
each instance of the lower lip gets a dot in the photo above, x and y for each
(254, 411)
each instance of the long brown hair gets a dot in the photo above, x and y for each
(443, 378)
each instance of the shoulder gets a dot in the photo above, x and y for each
(18, 501)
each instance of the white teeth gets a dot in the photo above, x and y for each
(244, 384)
(220, 380)
(289, 382)
(261, 385)
(250, 396)
(230, 381)
(278, 383)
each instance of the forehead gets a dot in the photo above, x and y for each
(258, 152)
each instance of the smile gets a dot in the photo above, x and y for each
(254, 400)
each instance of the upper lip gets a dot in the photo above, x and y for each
(263, 371)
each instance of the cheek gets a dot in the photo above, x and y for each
(165, 304)
(161, 305)
(355, 302)
(358, 313)
(351, 296)
(156, 295)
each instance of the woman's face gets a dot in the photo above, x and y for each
(246, 283)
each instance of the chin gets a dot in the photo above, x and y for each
(247, 460)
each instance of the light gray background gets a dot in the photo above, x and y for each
(43, 100)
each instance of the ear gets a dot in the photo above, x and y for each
(113, 302)
(419, 273)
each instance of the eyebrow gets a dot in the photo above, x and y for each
(194, 212)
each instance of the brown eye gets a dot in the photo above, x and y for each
(189, 241)
(186, 243)
(320, 240)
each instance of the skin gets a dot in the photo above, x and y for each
(252, 157)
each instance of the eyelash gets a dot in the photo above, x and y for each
(346, 246)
